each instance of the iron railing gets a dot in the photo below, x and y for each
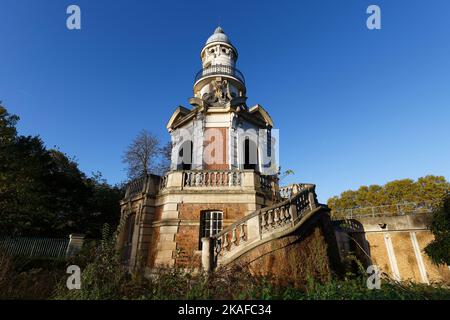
(398, 209)
(34, 247)
(220, 69)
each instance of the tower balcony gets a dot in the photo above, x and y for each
(201, 180)
(219, 69)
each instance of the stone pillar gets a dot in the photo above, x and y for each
(175, 180)
(206, 254)
(75, 244)
(250, 179)
(253, 228)
(166, 247)
(293, 212)
(312, 199)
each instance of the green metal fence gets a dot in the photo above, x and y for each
(34, 247)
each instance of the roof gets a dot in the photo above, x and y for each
(218, 36)
(264, 114)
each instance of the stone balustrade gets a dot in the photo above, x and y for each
(287, 192)
(211, 179)
(276, 218)
(163, 182)
(266, 182)
(231, 237)
(215, 179)
(135, 187)
(257, 226)
(208, 178)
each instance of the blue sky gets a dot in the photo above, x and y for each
(353, 106)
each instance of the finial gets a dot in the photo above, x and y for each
(218, 30)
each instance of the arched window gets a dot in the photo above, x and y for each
(210, 224)
(185, 154)
(250, 154)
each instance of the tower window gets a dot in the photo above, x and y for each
(185, 154)
(210, 224)
(250, 154)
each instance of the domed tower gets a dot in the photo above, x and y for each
(223, 167)
(220, 202)
(219, 71)
(221, 132)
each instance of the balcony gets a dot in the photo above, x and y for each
(200, 180)
(219, 69)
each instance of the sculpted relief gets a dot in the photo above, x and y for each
(219, 93)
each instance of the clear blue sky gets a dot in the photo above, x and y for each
(353, 106)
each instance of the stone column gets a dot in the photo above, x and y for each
(312, 199)
(206, 254)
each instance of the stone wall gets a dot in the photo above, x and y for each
(395, 244)
(308, 252)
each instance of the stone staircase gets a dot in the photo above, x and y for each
(297, 203)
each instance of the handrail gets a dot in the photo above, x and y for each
(256, 227)
(219, 69)
(286, 192)
(259, 211)
(396, 209)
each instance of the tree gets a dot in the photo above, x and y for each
(43, 192)
(426, 189)
(146, 156)
(439, 249)
(7, 126)
(164, 162)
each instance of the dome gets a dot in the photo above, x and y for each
(218, 36)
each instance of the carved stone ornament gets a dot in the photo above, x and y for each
(220, 93)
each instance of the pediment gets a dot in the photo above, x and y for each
(261, 113)
(178, 114)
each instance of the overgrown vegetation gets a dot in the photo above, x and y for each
(22, 278)
(439, 249)
(104, 278)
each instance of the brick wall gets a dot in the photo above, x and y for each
(187, 244)
(219, 144)
(231, 211)
(187, 238)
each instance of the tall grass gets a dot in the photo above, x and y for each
(104, 278)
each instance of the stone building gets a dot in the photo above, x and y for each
(221, 205)
(221, 200)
